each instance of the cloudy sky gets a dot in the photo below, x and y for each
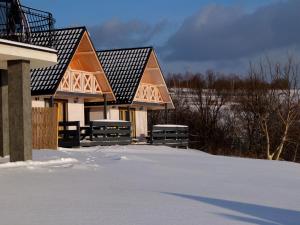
(189, 35)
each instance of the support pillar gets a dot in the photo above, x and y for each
(4, 124)
(128, 114)
(19, 101)
(166, 114)
(105, 106)
(51, 102)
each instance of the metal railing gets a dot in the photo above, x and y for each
(18, 23)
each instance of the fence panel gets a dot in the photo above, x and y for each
(108, 133)
(69, 134)
(170, 135)
(44, 128)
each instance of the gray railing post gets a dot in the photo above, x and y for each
(91, 131)
(166, 114)
(105, 106)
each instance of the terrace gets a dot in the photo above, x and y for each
(18, 25)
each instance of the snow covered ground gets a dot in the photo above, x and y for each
(142, 185)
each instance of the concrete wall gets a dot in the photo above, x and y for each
(141, 122)
(76, 111)
(38, 103)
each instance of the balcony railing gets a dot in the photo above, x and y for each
(17, 23)
(149, 93)
(80, 82)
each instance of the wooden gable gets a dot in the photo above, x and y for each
(85, 74)
(152, 88)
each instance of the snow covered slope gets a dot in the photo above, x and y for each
(142, 185)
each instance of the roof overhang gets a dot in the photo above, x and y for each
(39, 57)
(153, 106)
(135, 104)
(78, 95)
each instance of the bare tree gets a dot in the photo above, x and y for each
(209, 99)
(273, 99)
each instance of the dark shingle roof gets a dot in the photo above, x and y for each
(45, 81)
(124, 69)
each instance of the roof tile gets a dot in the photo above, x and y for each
(124, 69)
(45, 81)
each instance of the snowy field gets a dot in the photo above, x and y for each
(142, 185)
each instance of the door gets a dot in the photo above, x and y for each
(124, 114)
(133, 122)
(61, 106)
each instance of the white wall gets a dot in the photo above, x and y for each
(141, 122)
(76, 111)
(38, 103)
(113, 113)
(96, 113)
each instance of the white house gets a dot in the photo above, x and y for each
(138, 84)
(76, 79)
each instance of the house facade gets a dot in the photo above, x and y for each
(139, 87)
(86, 85)
(78, 77)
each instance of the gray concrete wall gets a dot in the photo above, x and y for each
(4, 124)
(20, 120)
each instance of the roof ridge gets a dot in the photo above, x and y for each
(63, 29)
(70, 28)
(122, 49)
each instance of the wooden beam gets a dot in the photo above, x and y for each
(166, 114)
(148, 68)
(85, 53)
(105, 106)
(75, 94)
(98, 72)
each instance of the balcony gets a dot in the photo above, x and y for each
(149, 93)
(18, 23)
(80, 82)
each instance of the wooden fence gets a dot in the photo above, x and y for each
(170, 135)
(44, 128)
(108, 133)
(69, 134)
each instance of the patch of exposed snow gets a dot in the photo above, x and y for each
(146, 185)
(124, 158)
(59, 163)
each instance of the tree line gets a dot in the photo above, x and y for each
(256, 115)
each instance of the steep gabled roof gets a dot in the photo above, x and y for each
(65, 41)
(124, 69)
